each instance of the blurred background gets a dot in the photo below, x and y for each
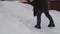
(17, 18)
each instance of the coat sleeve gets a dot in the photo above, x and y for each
(48, 4)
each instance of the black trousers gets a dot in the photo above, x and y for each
(47, 15)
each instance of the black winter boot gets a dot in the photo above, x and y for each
(51, 25)
(37, 26)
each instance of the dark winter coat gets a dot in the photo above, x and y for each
(40, 5)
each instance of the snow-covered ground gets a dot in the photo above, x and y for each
(17, 18)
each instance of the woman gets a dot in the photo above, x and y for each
(39, 7)
(42, 6)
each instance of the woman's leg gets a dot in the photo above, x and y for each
(38, 25)
(50, 18)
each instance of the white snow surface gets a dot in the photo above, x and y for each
(17, 18)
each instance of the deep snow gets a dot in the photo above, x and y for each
(17, 18)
